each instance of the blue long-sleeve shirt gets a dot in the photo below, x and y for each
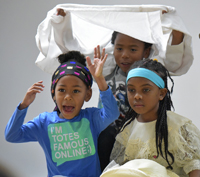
(70, 145)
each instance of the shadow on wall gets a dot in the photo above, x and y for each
(5, 172)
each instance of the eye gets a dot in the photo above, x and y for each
(131, 90)
(76, 91)
(133, 50)
(61, 90)
(119, 48)
(146, 90)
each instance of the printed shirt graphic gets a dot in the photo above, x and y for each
(117, 83)
(71, 141)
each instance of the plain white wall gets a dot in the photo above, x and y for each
(18, 52)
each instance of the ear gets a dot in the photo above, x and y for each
(88, 94)
(147, 52)
(163, 93)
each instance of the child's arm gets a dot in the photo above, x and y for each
(96, 69)
(15, 130)
(194, 173)
(110, 111)
(31, 94)
(177, 36)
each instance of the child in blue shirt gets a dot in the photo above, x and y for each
(69, 134)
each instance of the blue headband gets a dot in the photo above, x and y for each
(148, 74)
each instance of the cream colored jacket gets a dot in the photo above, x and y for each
(137, 141)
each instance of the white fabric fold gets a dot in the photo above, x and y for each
(86, 26)
(137, 168)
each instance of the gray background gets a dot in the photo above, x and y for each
(18, 52)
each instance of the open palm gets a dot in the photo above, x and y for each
(96, 68)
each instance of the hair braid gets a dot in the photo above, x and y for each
(130, 116)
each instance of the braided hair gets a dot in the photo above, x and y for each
(114, 35)
(164, 105)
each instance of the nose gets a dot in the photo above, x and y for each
(68, 96)
(125, 54)
(138, 96)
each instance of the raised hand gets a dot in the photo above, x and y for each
(31, 94)
(61, 12)
(96, 69)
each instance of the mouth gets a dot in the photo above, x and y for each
(126, 64)
(138, 105)
(68, 109)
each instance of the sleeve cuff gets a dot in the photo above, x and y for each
(20, 110)
(106, 91)
(191, 166)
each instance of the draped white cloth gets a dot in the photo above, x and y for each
(137, 168)
(86, 26)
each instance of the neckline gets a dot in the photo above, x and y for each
(63, 119)
(153, 121)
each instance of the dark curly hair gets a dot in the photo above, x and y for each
(164, 105)
(72, 55)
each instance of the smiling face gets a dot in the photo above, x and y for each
(70, 94)
(127, 50)
(144, 97)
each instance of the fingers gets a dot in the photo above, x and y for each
(105, 58)
(61, 12)
(39, 84)
(103, 54)
(164, 11)
(89, 63)
(31, 94)
(36, 88)
(97, 52)
(58, 11)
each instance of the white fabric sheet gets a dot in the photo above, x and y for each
(86, 26)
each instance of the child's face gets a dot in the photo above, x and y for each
(144, 97)
(70, 94)
(127, 50)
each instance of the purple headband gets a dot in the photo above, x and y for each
(73, 68)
